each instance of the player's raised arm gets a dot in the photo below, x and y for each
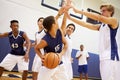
(84, 24)
(107, 19)
(4, 34)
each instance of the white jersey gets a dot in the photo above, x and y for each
(39, 36)
(67, 58)
(37, 63)
(109, 44)
(67, 55)
(83, 59)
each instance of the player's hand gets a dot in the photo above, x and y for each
(42, 59)
(67, 7)
(26, 57)
(60, 56)
(61, 11)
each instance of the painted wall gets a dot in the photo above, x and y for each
(28, 11)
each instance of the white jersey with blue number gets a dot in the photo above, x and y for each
(109, 46)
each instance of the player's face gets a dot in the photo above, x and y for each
(69, 30)
(14, 26)
(105, 12)
(81, 47)
(40, 23)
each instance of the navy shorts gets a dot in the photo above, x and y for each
(83, 69)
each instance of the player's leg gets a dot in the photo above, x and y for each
(23, 67)
(8, 63)
(24, 75)
(1, 71)
(106, 69)
(86, 76)
(81, 76)
(85, 70)
(80, 70)
(36, 66)
(34, 75)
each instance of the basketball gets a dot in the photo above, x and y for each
(51, 60)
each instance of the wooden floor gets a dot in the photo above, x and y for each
(6, 77)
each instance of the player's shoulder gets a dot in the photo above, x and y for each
(21, 33)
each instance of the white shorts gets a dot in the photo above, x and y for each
(10, 61)
(59, 73)
(109, 70)
(36, 64)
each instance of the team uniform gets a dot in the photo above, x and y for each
(16, 55)
(54, 45)
(67, 58)
(82, 62)
(37, 61)
(109, 52)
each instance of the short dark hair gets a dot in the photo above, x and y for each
(71, 24)
(40, 19)
(48, 21)
(14, 21)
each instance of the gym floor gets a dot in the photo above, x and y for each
(17, 76)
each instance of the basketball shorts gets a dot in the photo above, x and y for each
(36, 64)
(109, 70)
(83, 69)
(10, 61)
(58, 73)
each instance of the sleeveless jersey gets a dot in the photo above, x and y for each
(109, 46)
(54, 44)
(16, 43)
(67, 55)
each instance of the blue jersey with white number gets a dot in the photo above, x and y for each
(54, 44)
(16, 43)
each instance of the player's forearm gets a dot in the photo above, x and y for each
(63, 26)
(88, 14)
(3, 35)
(28, 43)
(57, 16)
(78, 57)
(84, 24)
(38, 52)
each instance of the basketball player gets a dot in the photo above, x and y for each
(109, 46)
(17, 55)
(37, 61)
(52, 42)
(82, 57)
(67, 59)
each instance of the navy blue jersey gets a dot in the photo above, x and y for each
(54, 44)
(16, 43)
